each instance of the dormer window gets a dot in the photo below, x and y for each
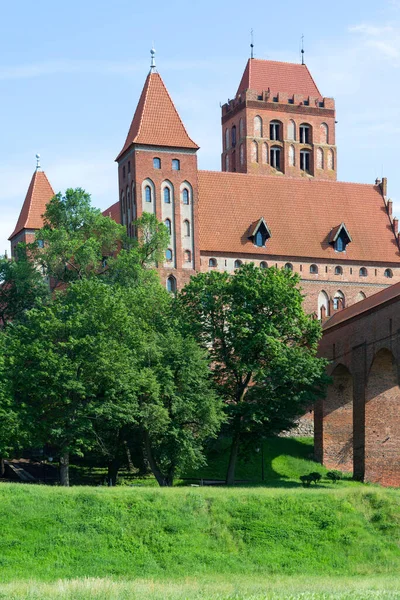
(259, 233)
(339, 238)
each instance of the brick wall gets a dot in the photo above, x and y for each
(368, 347)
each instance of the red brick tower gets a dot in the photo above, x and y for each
(30, 219)
(157, 172)
(279, 124)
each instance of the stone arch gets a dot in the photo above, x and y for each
(320, 158)
(258, 126)
(241, 128)
(241, 154)
(265, 153)
(382, 421)
(291, 130)
(227, 135)
(337, 421)
(148, 200)
(291, 156)
(360, 296)
(324, 133)
(331, 160)
(254, 152)
(323, 305)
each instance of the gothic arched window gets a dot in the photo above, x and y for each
(258, 126)
(171, 284)
(185, 196)
(148, 194)
(167, 223)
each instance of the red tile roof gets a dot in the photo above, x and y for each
(38, 196)
(292, 78)
(114, 212)
(156, 121)
(300, 214)
(376, 301)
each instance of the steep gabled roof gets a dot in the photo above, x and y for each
(38, 196)
(114, 212)
(292, 78)
(300, 214)
(156, 121)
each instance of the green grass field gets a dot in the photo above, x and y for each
(261, 540)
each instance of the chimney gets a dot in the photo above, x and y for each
(390, 207)
(384, 186)
(396, 225)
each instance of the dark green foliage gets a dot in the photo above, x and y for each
(21, 286)
(334, 476)
(262, 346)
(310, 478)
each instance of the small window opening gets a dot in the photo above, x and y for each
(363, 272)
(157, 163)
(275, 158)
(168, 254)
(175, 164)
(129, 166)
(167, 223)
(313, 269)
(388, 273)
(305, 134)
(263, 265)
(274, 131)
(237, 264)
(289, 267)
(123, 172)
(171, 284)
(305, 160)
(147, 192)
(212, 262)
(167, 195)
(338, 271)
(185, 196)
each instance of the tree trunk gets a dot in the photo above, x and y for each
(230, 474)
(113, 468)
(2, 467)
(64, 469)
(128, 457)
(161, 480)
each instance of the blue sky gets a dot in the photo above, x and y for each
(71, 74)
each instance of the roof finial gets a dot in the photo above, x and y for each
(37, 162)
(302, 49)
(153, 60)
(252, 44)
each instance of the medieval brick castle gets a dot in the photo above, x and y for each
(276, 201)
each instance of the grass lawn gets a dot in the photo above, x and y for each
(50, 533)
(244, 588)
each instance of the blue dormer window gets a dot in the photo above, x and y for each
(340, 237)
(259, 239)
(259, 233)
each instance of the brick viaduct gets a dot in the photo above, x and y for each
(357, 426)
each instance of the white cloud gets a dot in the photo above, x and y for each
(370, 30)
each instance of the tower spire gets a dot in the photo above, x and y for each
(252, 44)
(153, 60)
(302, 49)
(38, 168)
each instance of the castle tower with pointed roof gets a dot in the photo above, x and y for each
(30, 219)
(279, 124)
(157, 173)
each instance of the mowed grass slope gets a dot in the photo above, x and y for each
(49, 533)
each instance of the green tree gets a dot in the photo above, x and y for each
(76, 239)
(65, 361)
(21, 286)
(262, 346)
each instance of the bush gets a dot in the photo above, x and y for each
(334, 476)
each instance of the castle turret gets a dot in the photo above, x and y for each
(30, 219)
(279, 123)
(157, 171)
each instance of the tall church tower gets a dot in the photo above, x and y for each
(279, 124)
(30, 219)
(157, 173)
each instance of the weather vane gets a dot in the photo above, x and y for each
(252, 44)
(302, 49)
(37, 162)
(153, 59)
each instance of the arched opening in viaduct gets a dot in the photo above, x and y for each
(334, 445)
(382, 421)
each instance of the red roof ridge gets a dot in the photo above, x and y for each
(288, 178)
(357, 309)
(39, 194)
(156, 121)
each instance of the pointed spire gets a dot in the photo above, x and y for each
(156, 121)
(302, 50)
(38, 196)
(252, 44)
(38, 167)
(153, 60)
